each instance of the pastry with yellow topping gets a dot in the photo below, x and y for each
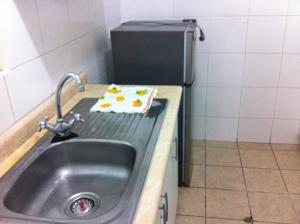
(137, 103)
(114, 90)
(120, 98)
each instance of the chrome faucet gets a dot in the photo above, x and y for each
(62, 127)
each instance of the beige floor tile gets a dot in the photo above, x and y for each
(223, 221)
(225, 178)
(191, 201)
(289, 159)
(251, 145)
(264, 180)
(292, 180)
(198, 143)
(285, 147)
(181, 219)
(268, 207)
(258, 159)
(198, 155)
(220, 144)
(222, 157)
(198, 176)
(227, 204)
(296, 202)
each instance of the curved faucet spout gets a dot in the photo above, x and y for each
(80, 88)
(62, 127)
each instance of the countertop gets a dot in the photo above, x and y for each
(147, 209)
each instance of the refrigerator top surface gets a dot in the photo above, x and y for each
(153, 26)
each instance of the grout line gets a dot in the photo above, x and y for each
(246, 187)
(9, 100)
(289, 195)
(280, 73)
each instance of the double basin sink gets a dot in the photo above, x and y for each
(94, 177)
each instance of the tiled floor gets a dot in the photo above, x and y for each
(231, 182)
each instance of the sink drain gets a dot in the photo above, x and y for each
(82, 204)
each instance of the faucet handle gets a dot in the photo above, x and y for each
(77, 116)
(43, 123)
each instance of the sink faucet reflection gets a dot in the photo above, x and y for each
(63, 127)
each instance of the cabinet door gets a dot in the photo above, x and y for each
(170, 190)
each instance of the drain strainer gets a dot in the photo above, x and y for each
(82, 204)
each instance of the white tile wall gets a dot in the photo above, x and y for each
(225, 70)
(249, 66)
(199, 101)
(28, 86)
(292, 39)
(230, 7)
(6, 118)
(55, 25)
(46, 39)
(266, 34)
(269, 7)
(285, 131)
(221, 129)
(254, 130)
(192, 8)
(25, 36)
(258, 103)
(294, 8)
(228, 34)
(261, 70)
(288, 106)
(223, 102)
(290, 71)
(198, 129)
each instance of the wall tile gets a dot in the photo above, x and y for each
(265, 34)
(198, 101)
(28, 85)
(129, 9)
(258, 102)
(19, 22)
(294, 8)
(230, 7)
(112, 10)
(261, 70)
(288, 106)
(221, 129)
(192, 8)
(269, 7)
(225, 70)
(84, 57)
(254, 130)
(154, 8)
(201, 65)
(80, 23)
(204, 23)
(292, 39)
(290, 71)
(6, 118)
(54, 23)
(286, 131)
(228, 34)
(223, 102)
(58, 63)
(96, 12)
(198, 127)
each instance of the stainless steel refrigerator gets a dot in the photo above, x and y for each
(160, 53)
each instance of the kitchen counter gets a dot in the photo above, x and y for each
(147, 209)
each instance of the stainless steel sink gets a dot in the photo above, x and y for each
(95, 177)
(100, 170)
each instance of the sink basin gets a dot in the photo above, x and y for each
(85, 172)
(95, 177)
